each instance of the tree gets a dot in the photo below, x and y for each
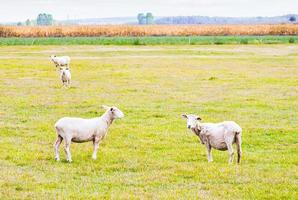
(141, 18)
(28, 22)
(44, 19)
(40, 19)
(50, 19)
(19, 24)
(149, 18)
(292, 19)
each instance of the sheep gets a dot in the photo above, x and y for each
(219, 136)
(80, 130)
(60, 61)
(65, 76)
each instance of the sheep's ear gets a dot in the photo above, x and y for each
(184, 116)
(105, 107)
(111, 109)
(199, 118)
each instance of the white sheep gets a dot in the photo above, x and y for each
(65, 76)
(60, 61)
(219, 136)
(81, 130)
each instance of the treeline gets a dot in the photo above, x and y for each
(226, 20)
(43, 19)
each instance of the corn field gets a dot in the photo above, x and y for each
(146, 30)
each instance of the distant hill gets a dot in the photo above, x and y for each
(186, 20)
(177, 20)
(102, 21)
(225, 20)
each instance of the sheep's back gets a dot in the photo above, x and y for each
(232, 126)
(74, 123)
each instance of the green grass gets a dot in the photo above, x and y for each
(158, 40)
(150, 154)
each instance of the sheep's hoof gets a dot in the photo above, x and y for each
(94, 157)
(69, 160)
(57, 159)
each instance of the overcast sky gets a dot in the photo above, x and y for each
(20, 10)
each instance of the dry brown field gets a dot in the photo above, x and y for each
(147, 30)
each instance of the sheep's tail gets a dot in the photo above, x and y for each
(57, 129)
(238, 145)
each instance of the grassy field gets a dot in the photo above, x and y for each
(150, 154)
(170, 40)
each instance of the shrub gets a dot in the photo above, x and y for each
(244, 41)
(291, 40)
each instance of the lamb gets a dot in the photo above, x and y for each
(60, 61)
(219, 136)
(65, 76)
(81, 130)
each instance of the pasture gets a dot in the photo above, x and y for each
(150, 154)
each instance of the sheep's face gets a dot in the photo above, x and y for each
(63, 70)
(192, 120)
(115, 112)
(52, 57)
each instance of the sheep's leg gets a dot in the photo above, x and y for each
(56, 147)
(209, 155)
(64, 84)
(238, 145)
(67, 150)
(229, 142)
(231, 152)
(95, 147)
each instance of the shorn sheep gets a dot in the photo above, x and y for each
(60, 61)
(65, 76)
(81, 130)
(220, 136)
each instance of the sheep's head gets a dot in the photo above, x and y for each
(115, 112)
(52, 57)
(63, 69)
(192, 120)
